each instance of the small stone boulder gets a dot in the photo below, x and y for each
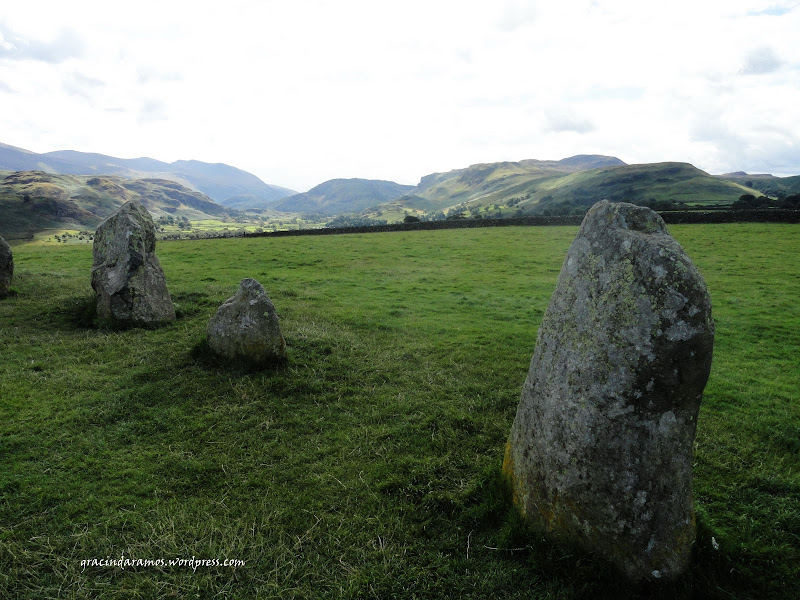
(600, 452)
(127, 278)
(6, 268)
(246, 328)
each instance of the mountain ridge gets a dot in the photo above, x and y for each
(219, 181)
(505, 188)
(342, 196)
(34, 200)
(567, 186)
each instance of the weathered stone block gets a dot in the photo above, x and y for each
(600, 452)
(246, 328)
(127, 278)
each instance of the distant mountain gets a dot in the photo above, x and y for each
(31, 201)
(583, 162)
(565, 186)
(222, 183)
(342, 196)
(766, 184)
(496, 182)
(644, 184)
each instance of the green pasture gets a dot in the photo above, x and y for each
(218, 227)
(369, 466)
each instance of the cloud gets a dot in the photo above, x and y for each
(149, 74)
(565, 120)
(772, 11)
(516, 14)
(761, 61)
(152, 110)
(397, 90)
(68, 44)
(709, 127)
(78, 84)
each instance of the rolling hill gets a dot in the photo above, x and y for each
(342, 196)
(569, 185)
(495, 182)
(222, 183)
(73, 189)
(768, 185)
(669, 182)
(31, 201)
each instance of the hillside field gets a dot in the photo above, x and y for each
(369, 466)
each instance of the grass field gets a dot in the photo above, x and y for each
(369, 467)
(217, 227)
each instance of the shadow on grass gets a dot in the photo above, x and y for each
(203, 356)
(80, 312)
(487, 508)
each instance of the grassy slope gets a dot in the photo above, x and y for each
(342, 196)
(768, 184)
(482, 184)
(539, 186)
(678, 182)
(368, 467)
(81, 202)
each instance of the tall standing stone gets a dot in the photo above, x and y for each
(6, 267)
(600, 452)
(127, 278)
(246, 327)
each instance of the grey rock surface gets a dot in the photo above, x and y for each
(6, 267)
(246, 327)
(600, 452)
(127, 277)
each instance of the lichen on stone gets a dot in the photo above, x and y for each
(600, 450)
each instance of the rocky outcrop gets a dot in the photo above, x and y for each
(600, 452)
(246, 328)
(127, 277)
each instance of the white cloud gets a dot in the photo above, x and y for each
(760, 61)
(517, 13)
(566, 120)
(299, 91)
(153, 110)
(65, 45)
(78, 84)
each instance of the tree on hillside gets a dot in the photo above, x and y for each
(748, 201)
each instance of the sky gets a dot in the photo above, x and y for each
(298, 92)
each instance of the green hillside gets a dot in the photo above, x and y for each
(563, 187)
(222, 183)
(495, 182)
(342, 196)
(768, 185)
(640, 184)
(32, 201)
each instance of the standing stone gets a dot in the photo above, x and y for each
(600, 452)
(246, 327)
(126, 276)
(6, 267)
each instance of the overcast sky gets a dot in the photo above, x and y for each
(302, 91)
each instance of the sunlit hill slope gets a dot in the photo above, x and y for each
(32, 200)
